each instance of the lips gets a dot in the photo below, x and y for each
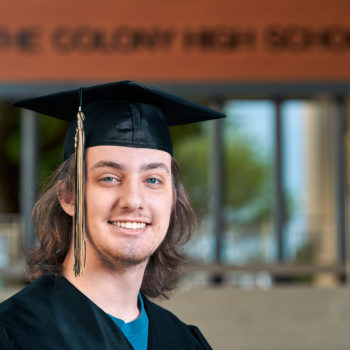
(133, 225)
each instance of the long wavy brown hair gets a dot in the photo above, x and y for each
(53, 228)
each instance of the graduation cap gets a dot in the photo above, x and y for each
(123, 113)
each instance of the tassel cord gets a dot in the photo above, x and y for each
(79, 210)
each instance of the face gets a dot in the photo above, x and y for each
(128, 203)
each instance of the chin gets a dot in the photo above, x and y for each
(117, 254)
(118, 259)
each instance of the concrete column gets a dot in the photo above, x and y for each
(321, 179)
(28, 176)
(347, 187)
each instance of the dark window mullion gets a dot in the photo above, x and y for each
(279, 189)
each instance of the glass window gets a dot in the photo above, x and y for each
(192, 145)
(248, 182)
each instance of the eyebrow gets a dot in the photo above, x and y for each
(109, 164)
(151, 166)
(143, 167)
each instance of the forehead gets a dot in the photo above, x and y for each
(129, 157)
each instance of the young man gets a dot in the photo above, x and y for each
(110, 227)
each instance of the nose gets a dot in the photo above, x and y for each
(131, 195)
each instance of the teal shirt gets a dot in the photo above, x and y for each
(135, 331)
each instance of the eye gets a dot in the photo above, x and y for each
(108, 179)
(153, 181)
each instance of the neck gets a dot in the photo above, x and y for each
(115, 291)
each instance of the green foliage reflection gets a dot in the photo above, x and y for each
(245, 173)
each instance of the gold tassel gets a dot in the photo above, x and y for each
(79, 210)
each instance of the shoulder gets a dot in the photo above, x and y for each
(23, 310)
(164, 322)
(52, 314)
(164, 317)
(160, 312)
(33, 294)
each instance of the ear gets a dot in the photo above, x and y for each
(67, 201)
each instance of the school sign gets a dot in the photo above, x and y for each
(178, 41)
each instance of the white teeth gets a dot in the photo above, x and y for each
(129, 225)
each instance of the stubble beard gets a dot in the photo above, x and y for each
(115, 259)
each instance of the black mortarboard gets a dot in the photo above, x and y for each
(116, 114)
(123, 114)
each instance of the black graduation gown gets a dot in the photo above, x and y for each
(52, 314)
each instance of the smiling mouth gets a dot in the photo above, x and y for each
(129, 224)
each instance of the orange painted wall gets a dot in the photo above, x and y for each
(179, 41)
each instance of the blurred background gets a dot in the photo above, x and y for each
(270, 261)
